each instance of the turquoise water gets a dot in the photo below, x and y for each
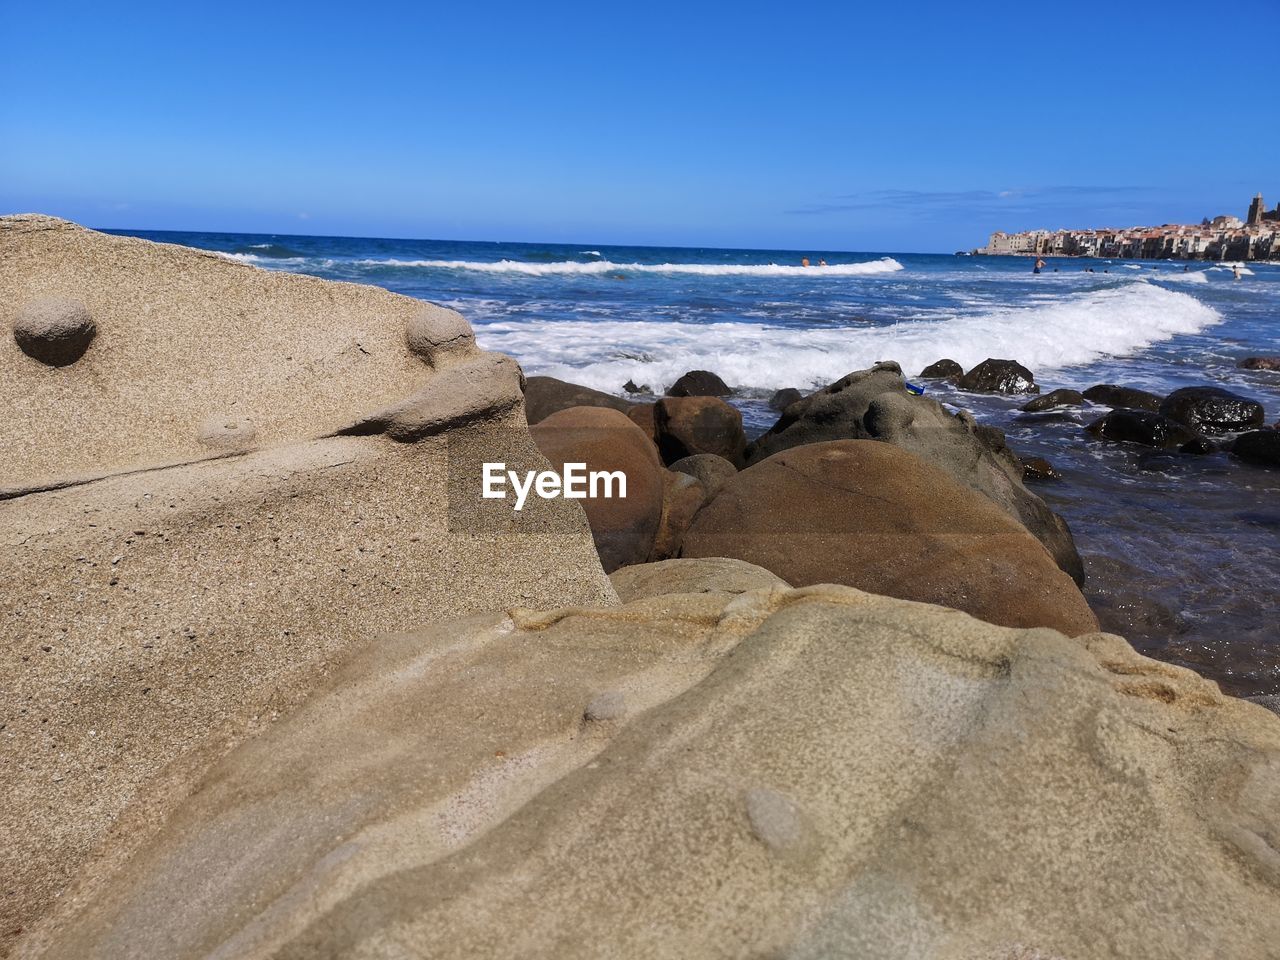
(1182, 553)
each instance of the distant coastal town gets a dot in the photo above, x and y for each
(1257, 237)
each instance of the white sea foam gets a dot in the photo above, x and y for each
(601, 267)
(1232, 267)
(1070, 330)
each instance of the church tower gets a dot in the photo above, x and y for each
(1256, 210)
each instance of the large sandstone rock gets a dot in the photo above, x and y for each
(153, 617)
(183, 336)
(544, 396)
(687, 426)
(874, 405)
(713, 471)
(873, 516)
(811, 773)
(623, 527)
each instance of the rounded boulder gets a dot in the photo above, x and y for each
(874, 516)
(1213, 410)
(54, 330)
(623, 528)
(699, 383)
(685, 426)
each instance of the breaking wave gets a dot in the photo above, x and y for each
(607, 267)
(1064, 332)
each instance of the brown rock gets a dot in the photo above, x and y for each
(1259, 363)
(642, 416)
(714, 471)
(699, 383)
(689, 425)
(1038, 469)
(623, 527)
(874, 516)
(544, 396)
(682, 497)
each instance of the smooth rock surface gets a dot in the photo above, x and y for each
(942, 370)
(998, 376)
(1112, 395)
(1055, 398)
(874, 516)
(623, 527)
(1141, 426)
(874, 404)
(1213, 410)
(699, 383)
(692, 575)
(712, 470)
(783, 398)
(55, 331)
(687, 426)
(544, 396)
(810, 774)
(682, 497)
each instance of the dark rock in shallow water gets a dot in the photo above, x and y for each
(1039, 469)
(1259, 363)
(1055, 398)
(685, 426)
(1110, 395)
(643, 389)
(1258, 446)
(1213, 410)
(784, 398)
(942, 370)
(1144, 427)
(999, 376)
(875, 405)
(699, 383)
(544, 396)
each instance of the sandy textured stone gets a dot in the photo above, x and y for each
(54, 330)
(184, 335)
(691, 575)
(813, 773)
(153, 617)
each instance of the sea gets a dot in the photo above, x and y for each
(1182, 553)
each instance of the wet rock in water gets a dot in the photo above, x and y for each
(1213, 410)
(1055, 398)
(623, 528)
(1144, 427)
(1259, 363)
(784, 398)
(1111, 395)
(713, 470)
(999, 376)
(942, 370)
(686, 426)
(1260, 447)
(1038, 469)
(682, 497)
(699, 383)
(875, 405)
(54, 330)
(874, 516)
(692, 575)
(643, 389)
(544, 396)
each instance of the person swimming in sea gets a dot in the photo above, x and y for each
(1039, 265)
(804, 261)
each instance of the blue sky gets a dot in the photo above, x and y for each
(910, 126)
